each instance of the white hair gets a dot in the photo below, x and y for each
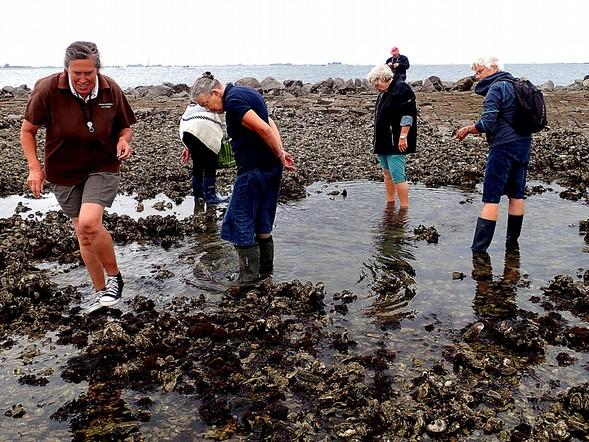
(488, 62)
(380, 72)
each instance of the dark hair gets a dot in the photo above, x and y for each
(81, 50)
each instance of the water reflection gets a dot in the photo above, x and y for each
(393, 275)
(215, 259)
(495, 298)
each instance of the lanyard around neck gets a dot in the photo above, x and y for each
(87, 117)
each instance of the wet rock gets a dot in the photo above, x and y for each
(429, 234)
(568, 294)
(16, 411)
(472, 332)
(577, 399)
(565, 359)
(458, 275)
(437, 426)
(20, 208)
(31, 379)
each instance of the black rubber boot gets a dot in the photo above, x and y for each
(210, 191)
(514, 229)
(266, 255)
(483, 235)
(249, 264)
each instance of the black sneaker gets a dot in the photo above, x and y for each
(113, 292)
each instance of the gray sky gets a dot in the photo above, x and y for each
(183, 32)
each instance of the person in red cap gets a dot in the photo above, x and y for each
(398, 63)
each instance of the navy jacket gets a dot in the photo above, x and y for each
(403, 64)
(499, 108)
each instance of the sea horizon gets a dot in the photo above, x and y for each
(9, 66)
(134, 75)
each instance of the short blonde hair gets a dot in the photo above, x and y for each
(488, 62)
(380, 72)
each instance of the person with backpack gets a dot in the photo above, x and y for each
(509, 151)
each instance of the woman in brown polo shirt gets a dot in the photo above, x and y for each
(88, 121)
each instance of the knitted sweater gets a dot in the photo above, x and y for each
(206, 126)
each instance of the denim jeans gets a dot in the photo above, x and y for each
(252, 207)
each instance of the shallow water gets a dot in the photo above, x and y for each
(351, 243)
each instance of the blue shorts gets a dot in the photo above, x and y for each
(252, 207)
(505, 175)
(395, 164)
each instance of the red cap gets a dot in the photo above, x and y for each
(394, 50)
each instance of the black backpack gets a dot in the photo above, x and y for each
(530, 115)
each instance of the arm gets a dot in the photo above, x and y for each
(488, 120)
(268, 132)
(491, 108)
(36, 178)
(406, 123)
(123, 147)
(408, 110)
(464, 131)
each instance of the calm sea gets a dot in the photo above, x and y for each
(561, 74)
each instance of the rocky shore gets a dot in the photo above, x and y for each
(269, 364)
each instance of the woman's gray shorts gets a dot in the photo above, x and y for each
(99, 188)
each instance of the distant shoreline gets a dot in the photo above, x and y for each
(8, 66)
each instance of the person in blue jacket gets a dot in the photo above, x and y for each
(509, 153)
(260, 159)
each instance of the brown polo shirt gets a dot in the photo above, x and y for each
(72, 152)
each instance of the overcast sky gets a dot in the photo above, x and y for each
(201, 32)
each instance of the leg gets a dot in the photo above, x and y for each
(490, 211)
(485, 228)
(397, 164)
(266, 243)
(516, 206)
(515, 190)
(195, 148)
(265, 219)
(239, 223)
(515, 221)
(210, 188)
(388, 180)
(403, 192)
(96, 246)
(496, 175)
(389, 185)
(209, 165)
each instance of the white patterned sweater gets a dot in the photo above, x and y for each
(204, 125)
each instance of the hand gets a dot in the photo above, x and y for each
(184, 156)
(464, 131)
(287, 161)
(123, 149)
(35, 181)
(396, 65)
(402, 143)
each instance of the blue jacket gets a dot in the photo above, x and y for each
(499, 108)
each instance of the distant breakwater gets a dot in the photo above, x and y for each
(337, 85)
